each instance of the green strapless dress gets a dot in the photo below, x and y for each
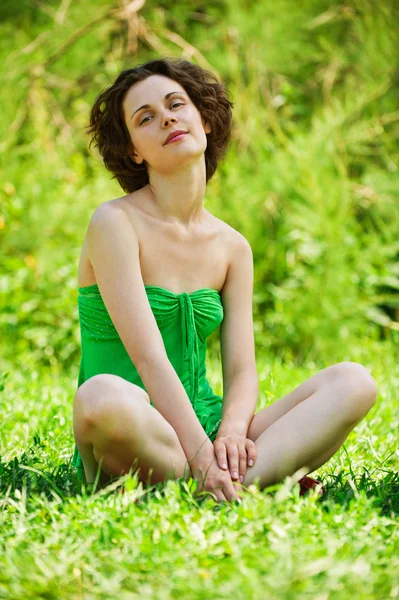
(184, 320)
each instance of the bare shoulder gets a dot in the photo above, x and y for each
(107, 219)
(108, 207)
(131, 206)
(240, 242)
(235, 240)
(111, 211)
(109, 224)
(226, 231)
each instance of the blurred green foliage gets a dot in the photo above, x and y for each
(311, 178)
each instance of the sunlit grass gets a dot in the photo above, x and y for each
(311, 180)
(61, 539)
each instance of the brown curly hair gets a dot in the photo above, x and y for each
(110, 133)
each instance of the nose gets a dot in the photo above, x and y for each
(171, 119)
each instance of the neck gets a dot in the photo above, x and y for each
(178, 197)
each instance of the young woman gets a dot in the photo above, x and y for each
(158, 274)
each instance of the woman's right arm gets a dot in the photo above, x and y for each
(113, 250)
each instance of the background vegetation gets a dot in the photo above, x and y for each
(312, 181)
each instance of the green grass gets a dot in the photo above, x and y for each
(60, 540)
(311, 180)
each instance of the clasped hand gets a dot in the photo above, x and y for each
(238, 450)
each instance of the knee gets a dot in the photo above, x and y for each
(98, 398)
(360, 385)
(94, 396)
(110, 406)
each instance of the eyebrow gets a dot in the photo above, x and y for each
(148, 105)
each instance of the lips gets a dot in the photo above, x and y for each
(174, 134)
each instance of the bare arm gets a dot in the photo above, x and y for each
(240, 377)
(114, 253)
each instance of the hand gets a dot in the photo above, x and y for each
(236, 446)
(206, 471)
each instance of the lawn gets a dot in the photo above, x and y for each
(60, 540)
(311, 180)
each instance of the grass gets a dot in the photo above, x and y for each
(60, 540)
(311, 180)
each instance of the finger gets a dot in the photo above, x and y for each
(233, 460)
(238, 488)
(220, 496)
(217, 497)
(216, 493)
(251, 452)
(243, 462)
(219, 493)
(220, 453)
(230, 491)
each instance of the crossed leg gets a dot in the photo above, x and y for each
(307, 426)
(115, 423)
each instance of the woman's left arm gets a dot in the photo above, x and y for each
(240, 377)
(233, 450)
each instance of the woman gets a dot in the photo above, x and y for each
(158, 273)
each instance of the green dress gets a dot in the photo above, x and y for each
(184, 320)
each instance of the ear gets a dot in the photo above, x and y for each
(136, 157)
(206, 126)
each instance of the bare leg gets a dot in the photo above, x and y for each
(114, 423)
(91, 466)
(308, 435)
(85, 447)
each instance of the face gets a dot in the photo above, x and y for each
(149, 127)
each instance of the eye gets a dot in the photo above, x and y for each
(175, 104)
